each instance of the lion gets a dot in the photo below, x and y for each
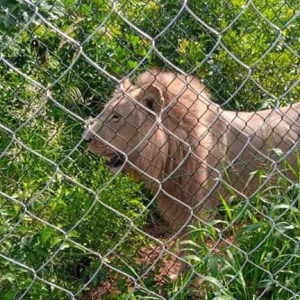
(165, 130)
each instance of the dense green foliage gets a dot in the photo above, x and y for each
(256, 247)
(60, 210)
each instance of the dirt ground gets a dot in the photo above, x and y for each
(163, 266)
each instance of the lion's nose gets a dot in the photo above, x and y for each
(86, 136)
(87, 140)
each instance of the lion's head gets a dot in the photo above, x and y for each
(126, 123)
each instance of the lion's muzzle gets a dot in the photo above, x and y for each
(87, 135)
(115, 160)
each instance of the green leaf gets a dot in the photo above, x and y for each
(10, 295)
(214, 265)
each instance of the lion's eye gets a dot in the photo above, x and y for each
(115, 117)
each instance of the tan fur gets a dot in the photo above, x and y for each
(186, 147)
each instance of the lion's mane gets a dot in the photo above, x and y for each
(186, 114)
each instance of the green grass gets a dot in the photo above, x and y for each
(253, 253)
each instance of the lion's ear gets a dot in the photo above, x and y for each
(152, 98)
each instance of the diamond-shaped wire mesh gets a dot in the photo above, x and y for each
(149, 149)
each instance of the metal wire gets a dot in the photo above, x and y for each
(47, 173)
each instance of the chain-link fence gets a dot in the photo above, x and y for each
(149, 149)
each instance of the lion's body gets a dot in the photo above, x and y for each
(186, 147)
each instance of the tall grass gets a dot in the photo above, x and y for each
(253, 252)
